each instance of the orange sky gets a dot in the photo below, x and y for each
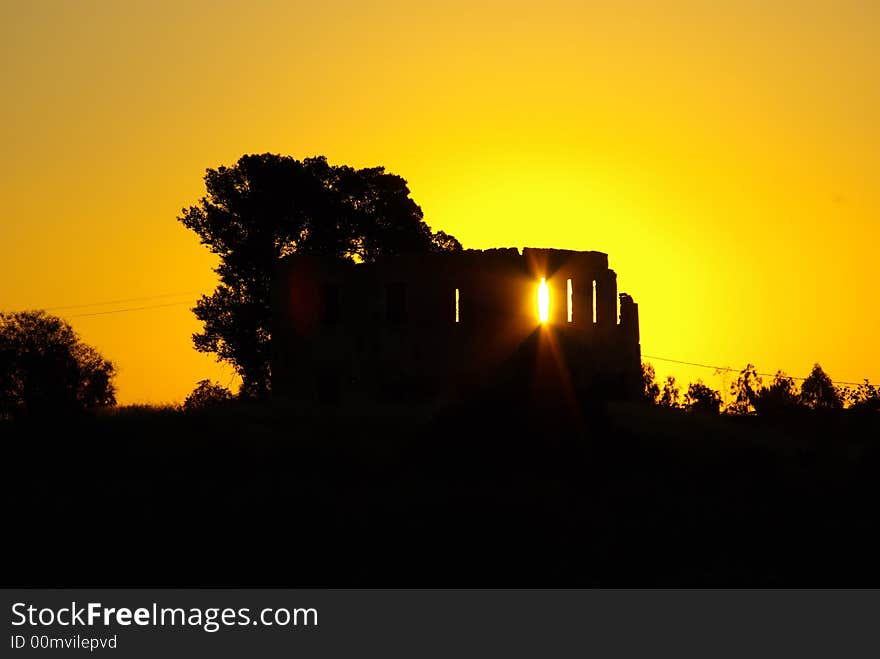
(727, 158)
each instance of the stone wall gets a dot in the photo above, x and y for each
(444, 325)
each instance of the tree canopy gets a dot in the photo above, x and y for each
(46, 368)
(650, 388)
(818, 391)
(670, 394)
(779, 397)
(269, 206)
(702, 398)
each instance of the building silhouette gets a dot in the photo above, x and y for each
(445, 325)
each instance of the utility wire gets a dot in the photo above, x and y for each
(113, 311)
(734, 370)
(122, 301)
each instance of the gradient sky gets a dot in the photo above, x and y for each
(725, 155)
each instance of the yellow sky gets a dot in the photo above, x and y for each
(725, 155)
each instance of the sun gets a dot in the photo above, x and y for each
(543, 301)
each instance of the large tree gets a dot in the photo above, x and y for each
(268, 206)
(46, 369)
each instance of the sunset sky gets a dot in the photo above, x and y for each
(726, 155)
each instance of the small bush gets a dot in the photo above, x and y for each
(207, 394)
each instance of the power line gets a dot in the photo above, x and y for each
(734, 370)
(121, 301)
(114, 311)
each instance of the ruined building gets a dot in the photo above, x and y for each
(444, 325)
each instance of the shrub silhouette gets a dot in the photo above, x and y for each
(45, 368)
(205, 395)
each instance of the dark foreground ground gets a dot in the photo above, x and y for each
(493, 493)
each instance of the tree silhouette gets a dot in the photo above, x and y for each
(818, 392)
(269, 206)
(702, 398)
(670, 395)
(650, 388)
(45, 368)
(744, 391)
(865, 397)
(779, 397)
